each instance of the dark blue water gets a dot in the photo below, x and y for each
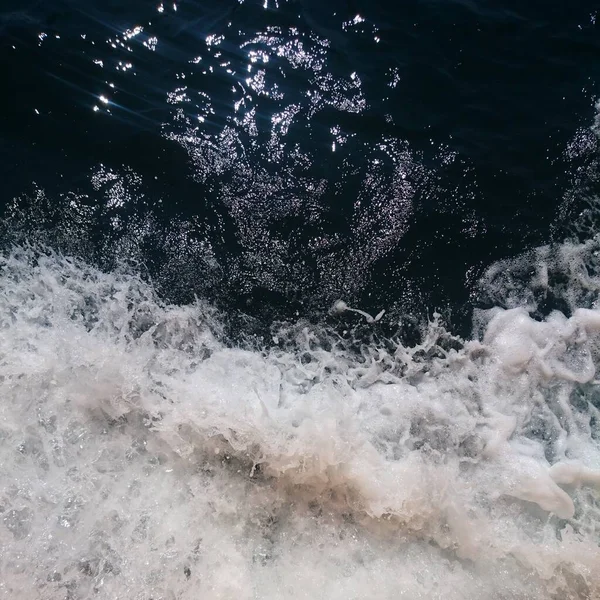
(275, 156)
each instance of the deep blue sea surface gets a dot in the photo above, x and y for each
(274, 156)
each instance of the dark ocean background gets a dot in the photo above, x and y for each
(275, 156)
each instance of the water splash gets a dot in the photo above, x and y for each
(340, 306)
(147, 458)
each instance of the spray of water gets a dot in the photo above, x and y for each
(145, 458)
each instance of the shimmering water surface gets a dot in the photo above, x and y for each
(289, 153)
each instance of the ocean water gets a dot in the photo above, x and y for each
(299, 300)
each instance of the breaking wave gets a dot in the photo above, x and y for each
(148, 457)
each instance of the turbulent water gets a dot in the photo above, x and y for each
(144, 458)
(244, 392)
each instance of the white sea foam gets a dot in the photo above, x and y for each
(141, 457)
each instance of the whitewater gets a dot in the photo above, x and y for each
(144, 456)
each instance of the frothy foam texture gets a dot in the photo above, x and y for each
(141, 457)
